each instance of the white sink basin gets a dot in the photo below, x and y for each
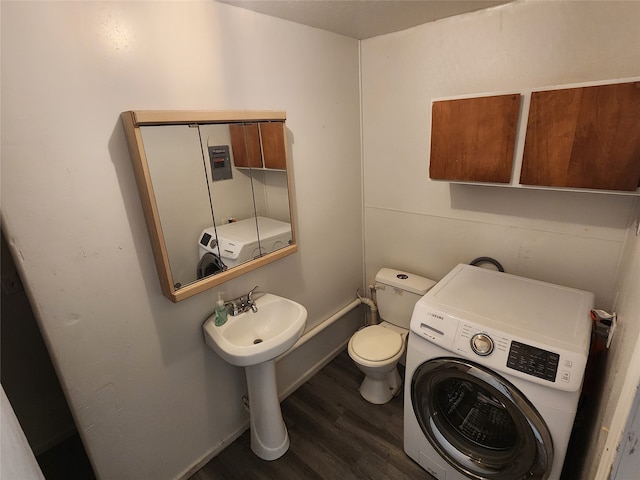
(251, 338)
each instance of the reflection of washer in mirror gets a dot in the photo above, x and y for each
(238, 242)
(210, 262)
(220, 162)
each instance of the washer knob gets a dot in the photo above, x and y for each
(482, 344)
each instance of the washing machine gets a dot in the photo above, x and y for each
(494, 370)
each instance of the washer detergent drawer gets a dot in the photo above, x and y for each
(479, 422)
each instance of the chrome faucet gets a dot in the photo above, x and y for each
(242, 304)
(232, 307)
(250, 304)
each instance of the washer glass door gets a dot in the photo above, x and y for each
(479, 422)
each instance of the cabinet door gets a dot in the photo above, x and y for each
(474, 139)
(587, 137)
(273, 145)
(245, 144)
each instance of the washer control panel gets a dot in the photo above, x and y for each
(534, 361)
(504, 352)
(519, 357)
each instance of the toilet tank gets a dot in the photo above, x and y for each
(397, 293)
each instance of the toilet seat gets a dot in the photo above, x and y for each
(377, 343)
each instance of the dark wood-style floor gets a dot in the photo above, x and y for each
(334, 433)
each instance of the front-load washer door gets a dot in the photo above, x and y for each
(479, 422)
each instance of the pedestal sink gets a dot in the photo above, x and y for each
(253, 340)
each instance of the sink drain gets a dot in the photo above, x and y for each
(257, 340)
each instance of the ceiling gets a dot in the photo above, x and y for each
(362, 19)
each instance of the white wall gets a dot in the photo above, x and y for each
(149, 398)
(621, 374)
(574, 239)
(18, 460)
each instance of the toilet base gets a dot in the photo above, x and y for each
(381, 390)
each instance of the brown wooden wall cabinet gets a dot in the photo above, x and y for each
(582, 136)
(473, 139)
(587, 137)
(258, 145)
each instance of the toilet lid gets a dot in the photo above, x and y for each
(376, 343)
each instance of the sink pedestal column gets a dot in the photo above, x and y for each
(269, 437)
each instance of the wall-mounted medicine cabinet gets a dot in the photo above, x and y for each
(216, 191)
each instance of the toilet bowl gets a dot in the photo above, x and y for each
(377, 349)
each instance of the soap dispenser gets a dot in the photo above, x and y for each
(220, 313)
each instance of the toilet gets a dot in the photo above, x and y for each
(377, 349)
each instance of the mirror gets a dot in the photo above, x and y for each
(216, 193)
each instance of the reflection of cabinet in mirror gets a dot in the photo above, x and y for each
(258, 145)
(193, 211)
